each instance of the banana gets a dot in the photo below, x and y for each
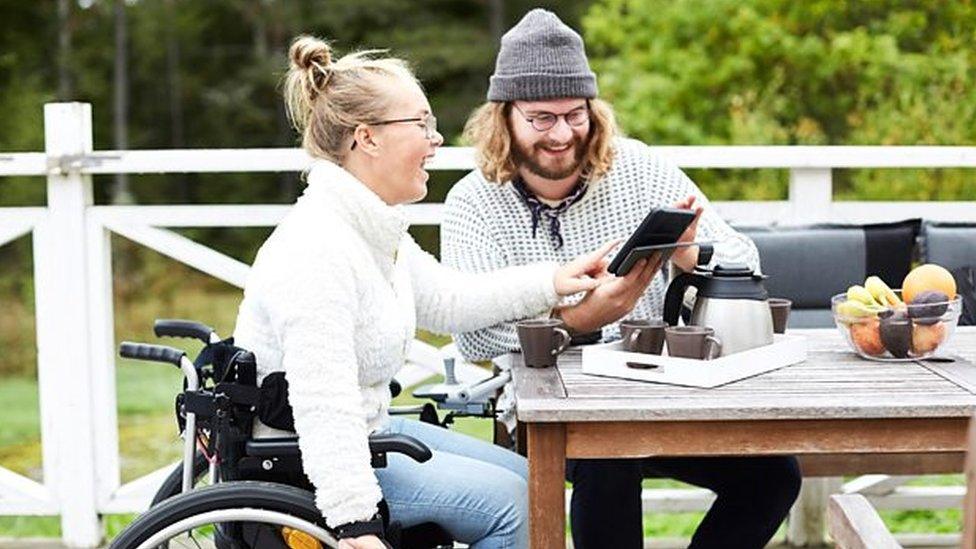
(853, 309)
(861, 295)
(882, 293)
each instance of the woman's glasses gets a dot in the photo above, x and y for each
(428, 122)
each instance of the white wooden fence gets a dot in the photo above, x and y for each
(73, 289)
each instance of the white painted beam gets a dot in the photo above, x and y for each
(219, 215)
(18, 488)
(135, 496)
(186, 251)
(10, 231)
(820, 157)
(675, 500)
(920, 497)
(875, 485)
(209, 215)
(34, 163)
(462, 158)
(881, 212)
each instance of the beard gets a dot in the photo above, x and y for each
(531, 158)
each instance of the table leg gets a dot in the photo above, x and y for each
(547, 492)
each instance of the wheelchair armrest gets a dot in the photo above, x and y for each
(272, 447)
(399, 444)
(378, 444)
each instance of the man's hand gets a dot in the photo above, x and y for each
(363, 542)
(583, 273)
(612, 300)
(686, 258)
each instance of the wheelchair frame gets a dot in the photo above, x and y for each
(217, 415)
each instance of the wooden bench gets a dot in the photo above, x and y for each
(855, 524)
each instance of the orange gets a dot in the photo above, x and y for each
(928, 277)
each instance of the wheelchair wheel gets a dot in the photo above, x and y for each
(231, 515)
(173, 485)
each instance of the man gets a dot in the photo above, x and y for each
(554, 181)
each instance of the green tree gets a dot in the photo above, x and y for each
(889, 72)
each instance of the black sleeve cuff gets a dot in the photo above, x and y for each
(373, 526)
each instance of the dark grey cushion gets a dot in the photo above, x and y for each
(809, 264)
(951, 245)
(811, 318)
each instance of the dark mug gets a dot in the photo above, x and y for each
(643, 336)
(780, 309)
(542, 340)
(698, 342)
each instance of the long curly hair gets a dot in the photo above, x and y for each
(488, 131)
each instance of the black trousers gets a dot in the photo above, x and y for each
(754, 496)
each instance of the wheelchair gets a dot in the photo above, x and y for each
(258, 497)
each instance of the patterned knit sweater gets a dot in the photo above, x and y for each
(333, 299)
(487, 226)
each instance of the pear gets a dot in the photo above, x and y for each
(881, 292)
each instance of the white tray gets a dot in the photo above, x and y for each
(610, 360)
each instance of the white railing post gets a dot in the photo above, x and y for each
(63, 325)
(807, 524)
(811, 194)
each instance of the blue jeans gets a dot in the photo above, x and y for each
(473, 489)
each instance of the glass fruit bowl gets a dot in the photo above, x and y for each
(900, 333)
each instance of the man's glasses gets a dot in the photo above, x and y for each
(545, 121)
(428, 122)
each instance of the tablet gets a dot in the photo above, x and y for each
(662, 227)
(641, 252)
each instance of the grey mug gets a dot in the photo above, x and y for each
(542, 340)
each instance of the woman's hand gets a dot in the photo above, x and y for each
(363, 542)
(583, 273)
(686, 258)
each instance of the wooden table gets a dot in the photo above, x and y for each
(838, 413)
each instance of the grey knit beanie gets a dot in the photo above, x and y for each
(541, 58)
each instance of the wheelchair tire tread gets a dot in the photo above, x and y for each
(228, 495)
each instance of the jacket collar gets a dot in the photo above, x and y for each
(382, 226)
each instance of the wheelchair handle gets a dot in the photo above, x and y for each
(152, 353)
(162, 353)
(175, 327)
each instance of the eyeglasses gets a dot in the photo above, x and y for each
(545, 121)
(428, 122)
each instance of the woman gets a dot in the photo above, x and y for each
(336, 292)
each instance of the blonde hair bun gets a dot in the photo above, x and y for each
(326, 100)
(308, 52)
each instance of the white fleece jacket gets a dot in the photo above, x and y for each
(333, 300)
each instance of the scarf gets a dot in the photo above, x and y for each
(540, 209)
